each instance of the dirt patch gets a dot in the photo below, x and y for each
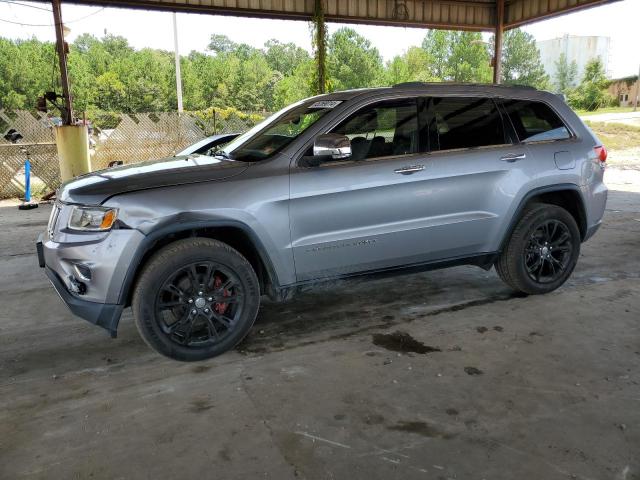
(420, 428)
(201, 368)
(473, 371)
(402, 342)
(373, 419)
(200, 405)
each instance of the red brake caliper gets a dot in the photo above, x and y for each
(220, 307)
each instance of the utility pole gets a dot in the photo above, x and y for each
(497, 55)
(178, 74)
(635, 104)
(61, 46)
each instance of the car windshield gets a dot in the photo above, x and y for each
(276, 132)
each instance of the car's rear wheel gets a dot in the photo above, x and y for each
(542, 251)
(195, 299)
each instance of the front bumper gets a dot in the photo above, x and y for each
(104, 315)
(100, 300)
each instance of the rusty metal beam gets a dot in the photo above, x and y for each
(475, 15)
(497, 52)
(61, 48)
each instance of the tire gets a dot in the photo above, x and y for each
(542, 251)
(195, 299)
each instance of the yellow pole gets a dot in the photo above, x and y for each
(72, 142)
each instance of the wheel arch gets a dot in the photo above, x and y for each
(567, 196)
(235, 234)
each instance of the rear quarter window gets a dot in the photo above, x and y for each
(535, 121)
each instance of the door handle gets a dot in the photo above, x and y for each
(409, 170)
(513, 157)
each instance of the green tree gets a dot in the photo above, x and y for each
(413, 66)
(469, 60)
(221, 44)
(591, 93)
(521, 63)
(300, 84)
(457, 56)
(352, 61)
(566, 74)
(437, 45)
(109, 92)
(13, 101)
(28, 68)
(397, 70)
(284, 57)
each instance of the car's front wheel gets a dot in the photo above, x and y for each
(542, 251)
(196, 298)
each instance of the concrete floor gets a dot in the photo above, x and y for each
(520, 388)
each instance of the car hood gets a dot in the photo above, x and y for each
(96, 187)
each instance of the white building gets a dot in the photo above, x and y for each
(578, 49)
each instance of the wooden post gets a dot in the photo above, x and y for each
(72, 141)
(497, 55)
(67, 114)
(321, 47)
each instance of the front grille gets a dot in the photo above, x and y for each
(53, 219)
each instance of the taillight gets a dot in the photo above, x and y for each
(601, 153)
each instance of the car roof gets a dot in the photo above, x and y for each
(441, 88)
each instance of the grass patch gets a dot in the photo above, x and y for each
(585, 113)
(616, 136)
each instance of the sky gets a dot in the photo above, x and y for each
(619, 21)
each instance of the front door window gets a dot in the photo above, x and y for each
(382, 129)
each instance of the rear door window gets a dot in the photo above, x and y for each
(535, 121)
(464, 122)
(382, 129)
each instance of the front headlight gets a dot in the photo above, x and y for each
(93, 219)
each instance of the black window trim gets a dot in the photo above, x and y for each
(420, 97)
(507, 128)
(572, 135)
(346, 114)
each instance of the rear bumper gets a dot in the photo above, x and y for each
(104, 315)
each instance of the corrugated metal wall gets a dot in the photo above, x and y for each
(458, 14)
(475, 15)
(519, 12)
(450, 14)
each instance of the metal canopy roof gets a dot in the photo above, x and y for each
(447, 14)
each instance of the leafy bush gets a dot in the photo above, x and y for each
(591, 94)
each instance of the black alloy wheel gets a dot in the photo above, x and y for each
(542, 251)
(199, 304)
(548, 253)
(196, 298)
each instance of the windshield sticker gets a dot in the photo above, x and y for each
(326, 104)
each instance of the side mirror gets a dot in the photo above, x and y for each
(332, 145)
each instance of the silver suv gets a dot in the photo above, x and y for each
(415, 176)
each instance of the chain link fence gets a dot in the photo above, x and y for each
(133, 138)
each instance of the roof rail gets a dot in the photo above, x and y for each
(459, 84)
